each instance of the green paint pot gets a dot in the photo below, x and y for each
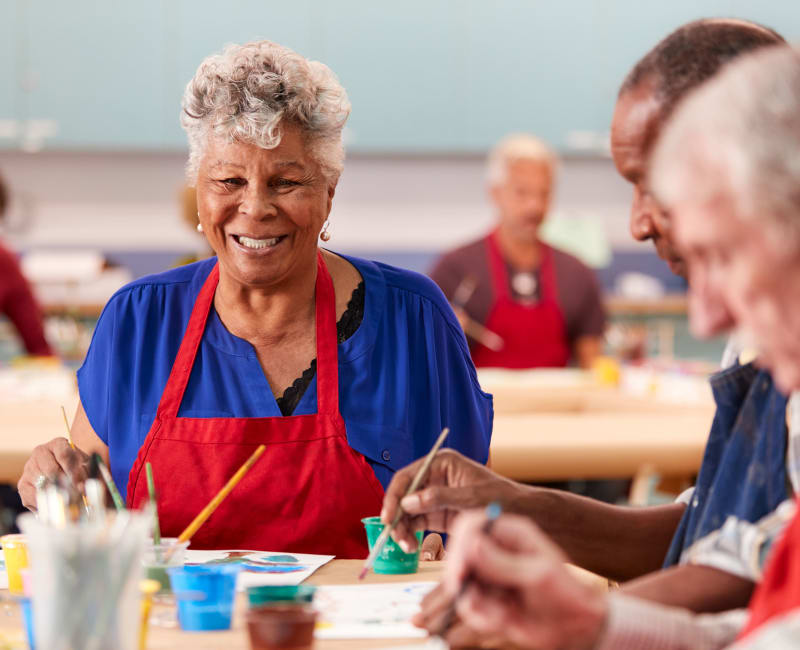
(392, 559)
(268, 594)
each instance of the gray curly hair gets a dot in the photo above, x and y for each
(245, 92)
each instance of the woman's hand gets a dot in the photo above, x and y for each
(519, 587)
(432, 548)
(454, 483)
(49, 460)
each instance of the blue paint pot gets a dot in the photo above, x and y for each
(204, 594)
(27, 618)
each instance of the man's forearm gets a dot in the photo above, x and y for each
(694, 587)
(618, 542)
(633, 624)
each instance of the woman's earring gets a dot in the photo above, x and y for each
(325, 235)
(199, 227)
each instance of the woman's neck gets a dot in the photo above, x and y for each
(267, 315)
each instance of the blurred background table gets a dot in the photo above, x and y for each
(549, 425)
(553, 425)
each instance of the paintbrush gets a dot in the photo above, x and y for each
(206, 512)
(151, 489)
(116, 497)
(72, 444)
(387, 530)
(493, 511)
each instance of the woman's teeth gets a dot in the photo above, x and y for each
(258, 243)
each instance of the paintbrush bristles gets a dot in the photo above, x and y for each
(415, 483)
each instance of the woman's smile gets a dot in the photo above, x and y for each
(257, 245)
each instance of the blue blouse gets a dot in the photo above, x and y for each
(404, 375)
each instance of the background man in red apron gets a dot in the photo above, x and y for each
(523, 304)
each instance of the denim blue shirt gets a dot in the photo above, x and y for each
(404, 375)
(743, 474)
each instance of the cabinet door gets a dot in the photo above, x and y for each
(403, 67)
(97, 71)
(10, 44)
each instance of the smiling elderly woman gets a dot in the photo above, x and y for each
(346, 369)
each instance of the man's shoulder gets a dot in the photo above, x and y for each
(462, 256)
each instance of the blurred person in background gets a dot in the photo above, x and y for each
(712, 541)
(727, 170)
(16, 297)
(346, 369)
(191, 217)
(523, 304)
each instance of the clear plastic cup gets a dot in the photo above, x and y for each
(86, 580)
(15, 550)
(157, 560)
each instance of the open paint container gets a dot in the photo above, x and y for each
(392, 559)
(281, 625)
(261, 595)
(204, 594)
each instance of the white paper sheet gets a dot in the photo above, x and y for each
(263, 567)
(369, 611)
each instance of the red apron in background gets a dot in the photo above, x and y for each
(534, 335)
(306, 494)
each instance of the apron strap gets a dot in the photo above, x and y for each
(547, 274)
(327, 342)
(182, 368)
(497, 266)
(327, 345)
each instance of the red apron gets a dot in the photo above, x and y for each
(306, 494)
(534, 335)
(778, 593)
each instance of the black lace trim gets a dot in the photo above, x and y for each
(345, 328)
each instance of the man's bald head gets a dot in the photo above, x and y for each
(694, 53)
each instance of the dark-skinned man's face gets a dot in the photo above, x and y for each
(633, 131)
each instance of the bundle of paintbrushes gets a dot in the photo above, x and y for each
(86, 571)
(59, 501)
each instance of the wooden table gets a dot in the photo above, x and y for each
(337, 572)
(553, 446)
(562, 435)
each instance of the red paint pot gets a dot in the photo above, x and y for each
(281, 625)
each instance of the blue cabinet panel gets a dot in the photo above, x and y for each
(423, 75)
(9, 72)
(98, 70)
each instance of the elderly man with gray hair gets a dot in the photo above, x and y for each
(711, 543)
(727, 168)
(522, 303)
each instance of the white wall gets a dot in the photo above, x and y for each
(129, 201)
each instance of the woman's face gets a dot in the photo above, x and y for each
(262, 209)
